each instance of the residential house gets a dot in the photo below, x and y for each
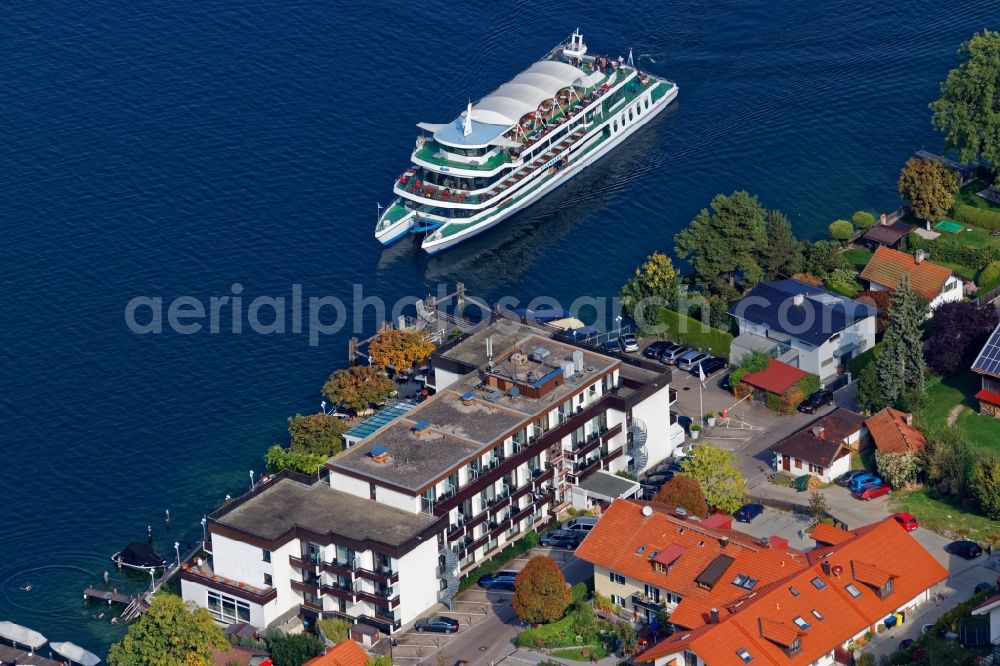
(383, 533)
(892, 431)
(887, 268)
(814, 614)
(885, 235)
(991, 609)
(822, 448)
(802, 325)
(777, 378)
(345, 653)
(987, 366)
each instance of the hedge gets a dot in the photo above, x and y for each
(978, 217)
(693, 333)
(989, 279)
(952, 251)
(522, 545)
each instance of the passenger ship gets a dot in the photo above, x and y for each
(519, 143)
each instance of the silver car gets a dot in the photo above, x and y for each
(691, 359)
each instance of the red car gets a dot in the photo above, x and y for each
(906, 520)
(872, 490)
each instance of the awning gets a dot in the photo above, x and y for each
(430, 127)
(76, 654)
(843, 351)
(19, 635)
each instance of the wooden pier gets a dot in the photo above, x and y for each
(10, 655)
(136, 605)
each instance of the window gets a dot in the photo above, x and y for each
(795, 646)
(268, 581)
(673, 598)
(886, 589)
(744, 581)
(653, 593)
(827, 362)
(690, 659)
(647, 103)
(818, 583)
(266, 554)
(794, 592)
(798, 464)
(744, 655)
(227, 609)
(630, 116)
(800, 622)
(852, 590)
(818, 615)
(617, 600)
(617, 578)
(614, 126)
(834, 337)
(815, 469)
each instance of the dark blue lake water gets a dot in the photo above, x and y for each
(172, 148)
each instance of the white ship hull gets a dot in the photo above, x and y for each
(432, 245)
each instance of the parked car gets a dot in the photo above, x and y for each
(968, 550)
(659, 479)
(612, 346)
(710, 366)
(982, 587)
(747, 512)
(582, 524)
(859, 482)
(691, 359)
(562, 539)
(665, 468)
(440, 624)
(498, 580)
(906, 520)
(872, 490)
(629, 343)
(655, 348)
(845, 479)
(671, 354)
(820, 398)
(905, 644)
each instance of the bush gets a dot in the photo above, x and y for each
(684, 492)
(293, 650)
(841, 230)
(522, 545)
(843, 282)
(989, 279)
(693, 333)
(335, 630)
(863, 219)
(540, 592)
(949, 249)
(977, 217)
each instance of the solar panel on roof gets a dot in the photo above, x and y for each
(988, 360)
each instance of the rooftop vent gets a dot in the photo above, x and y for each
(379, 454)
(713, 616)
(421, 428)
(518, 358)
(540, 354)
(578, 360)
(826, 567)
(467, 397)
(817, 432)
(798, 300)
(919, 256)
(681, 511)
(568, 369)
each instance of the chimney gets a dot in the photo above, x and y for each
(909, 419)
(723, 541)
(713, 616)
(826, 567)
(919, 256)
(817, 432)
(798, 300)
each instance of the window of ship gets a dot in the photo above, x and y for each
(623, 119)
(638, 108)
(614, 126)
(630, 116)
(647, 102)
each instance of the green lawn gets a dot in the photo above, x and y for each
(857, 257)
(577, 654)
(983, 432)
(942, 515)
(964, 271)
(967, 196)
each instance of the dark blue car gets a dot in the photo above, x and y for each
(499, 580)
(748, 512)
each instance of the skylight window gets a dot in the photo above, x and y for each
(852, 590)
(793, 591)
(800, 622)
(818, 583)
(744, 655)
(744, 581)
(817, 615)
(640, 550)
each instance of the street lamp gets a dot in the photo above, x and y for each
(251, 479)
(204, 531)
(177, 549)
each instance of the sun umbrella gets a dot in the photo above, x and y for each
(76, 654)
(19, 635)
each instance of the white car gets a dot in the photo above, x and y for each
(630, 343)
(691, 359)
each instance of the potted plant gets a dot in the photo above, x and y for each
(695, 431)
(710, 419)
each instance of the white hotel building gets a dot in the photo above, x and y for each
(383, 533)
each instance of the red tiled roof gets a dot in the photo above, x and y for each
(870, 574)
(891, 434)
(887, 268)
(777, 377)
(347, 653)
(989, 397)
(760, 622)
(669, 555)
(987, 604)
(830, 535)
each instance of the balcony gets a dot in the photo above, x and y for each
(341, 568)
(306, 588)
(378, 598)
(672, 398)
(311, 566)
(204, 575)
(340, 592)
(642, 601)
(381, 576)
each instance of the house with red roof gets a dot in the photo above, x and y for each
(345, 653)
(892, 431)
(987, 366)
(887, 268)
(991, 608)
(815, 614)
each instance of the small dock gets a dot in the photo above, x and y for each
(112, 596)
(10, 655)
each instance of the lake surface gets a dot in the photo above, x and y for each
(174, 148)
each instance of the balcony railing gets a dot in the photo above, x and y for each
(258, 595)
(383, 576)
(642, 601)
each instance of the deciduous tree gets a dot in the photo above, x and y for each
(930, 186)
(725, 242)
(899, 469)
(316, 433)
(279, 458)
(862, 219)
(171, 633)
(900, 365)
(957, 331)
(967, 111)
(293, 649)
(684, 492)
(985, 484)
(782, 255)
(399, 349)
(841, 230)
(822, 258)
(540, 591)
(880, 300)
(818, 506)
(718, 474)
(654, 284)
(359, 387)
(948, 463)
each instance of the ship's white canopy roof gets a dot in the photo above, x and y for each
(510, 102)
